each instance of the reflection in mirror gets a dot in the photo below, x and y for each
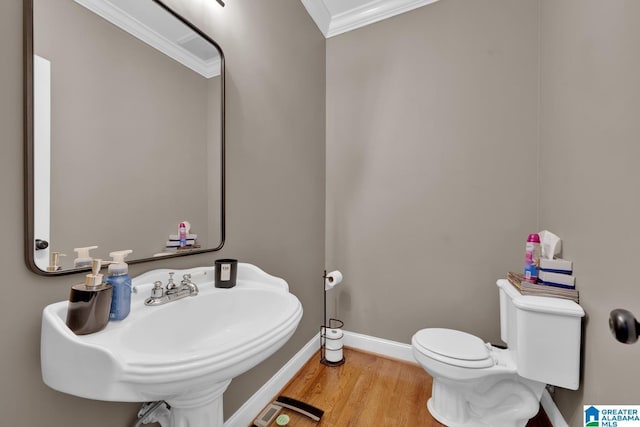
(124, 132)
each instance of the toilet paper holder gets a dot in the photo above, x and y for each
(331, 343)
(331, 334)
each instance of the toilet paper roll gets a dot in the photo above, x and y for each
(334, 339)
(332, 279)
(333, 355)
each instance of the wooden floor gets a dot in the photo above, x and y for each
(369, 391)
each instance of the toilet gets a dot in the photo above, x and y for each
(476, 384)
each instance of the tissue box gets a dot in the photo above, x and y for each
(557, 279)
(177, 237)
(176, 243)
(557, 265)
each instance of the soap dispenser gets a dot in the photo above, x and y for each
(54, 259)
(89, 303)
(83, 259)
(119, 278)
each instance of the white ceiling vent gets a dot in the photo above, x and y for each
(198, 47)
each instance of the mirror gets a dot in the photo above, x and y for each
(124, 133)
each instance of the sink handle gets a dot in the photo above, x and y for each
(170, 283)
(157, 291)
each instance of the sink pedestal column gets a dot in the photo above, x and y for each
(203, 408)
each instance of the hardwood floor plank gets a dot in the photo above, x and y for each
(369, 390)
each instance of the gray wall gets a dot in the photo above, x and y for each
(434, 122)
(431, 165)
(589, 175)
(276, 84)
(458, 128)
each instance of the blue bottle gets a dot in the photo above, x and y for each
(119, 278)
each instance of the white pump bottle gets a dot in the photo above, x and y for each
(118, 276)
(83, 258)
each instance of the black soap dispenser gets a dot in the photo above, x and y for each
(89, 303)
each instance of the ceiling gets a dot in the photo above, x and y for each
(335, 17)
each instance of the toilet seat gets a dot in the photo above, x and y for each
(453, 347)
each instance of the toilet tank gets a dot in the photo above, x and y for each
(543, 336)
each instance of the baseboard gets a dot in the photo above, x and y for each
(552, 411)
(252, 407)
(393, 349)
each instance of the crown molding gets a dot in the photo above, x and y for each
(369, 12)
(121, 19)
(320, 14)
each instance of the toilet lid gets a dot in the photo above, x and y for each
(453, 344)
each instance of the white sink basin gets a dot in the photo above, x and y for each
(184, 352)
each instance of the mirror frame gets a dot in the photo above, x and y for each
(29, 243)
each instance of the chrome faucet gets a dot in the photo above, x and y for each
(188, 284)
(173, 291)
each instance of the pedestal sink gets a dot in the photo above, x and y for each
(185, 352)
